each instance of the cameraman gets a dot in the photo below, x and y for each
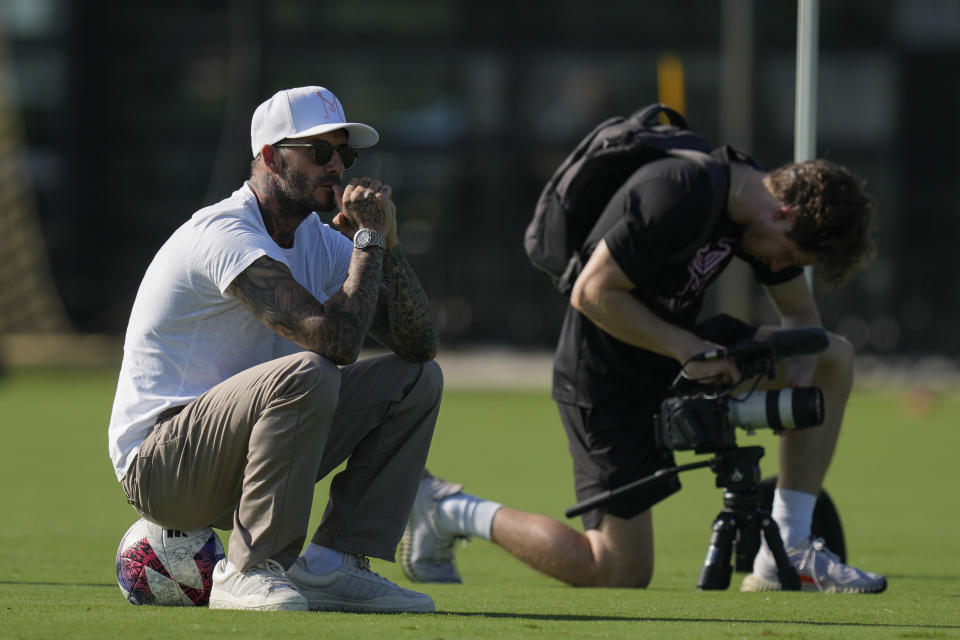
(630, 326)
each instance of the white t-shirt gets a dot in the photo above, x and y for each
(186, 334)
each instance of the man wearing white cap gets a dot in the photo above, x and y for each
(240, 386)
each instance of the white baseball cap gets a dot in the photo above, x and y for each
(303, 112)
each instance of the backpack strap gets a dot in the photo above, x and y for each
(646, 115)
(571, 272)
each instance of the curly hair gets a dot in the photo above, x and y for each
(834, 215)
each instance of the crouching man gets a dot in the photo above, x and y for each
(240, 386)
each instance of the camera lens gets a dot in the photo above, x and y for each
(807, 407)
(794, 408)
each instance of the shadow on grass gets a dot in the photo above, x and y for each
(24, 583)
(601, 618)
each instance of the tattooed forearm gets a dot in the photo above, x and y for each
(335, 329)
(404, 320)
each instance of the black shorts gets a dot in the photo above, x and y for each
(612, 443)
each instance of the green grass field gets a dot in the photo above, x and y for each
(894, 480)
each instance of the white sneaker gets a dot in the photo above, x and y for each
(261, 588)
(354, 587)
(426, 554)
(819, 569)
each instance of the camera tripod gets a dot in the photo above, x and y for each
(738, 525)
(740, 522)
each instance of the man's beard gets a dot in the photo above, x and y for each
(295, 194)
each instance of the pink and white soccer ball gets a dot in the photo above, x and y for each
(167, 567)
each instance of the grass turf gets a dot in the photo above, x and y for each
(894, 481)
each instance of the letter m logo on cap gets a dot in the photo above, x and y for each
(331, 106)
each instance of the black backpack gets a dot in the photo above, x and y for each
(581, 187)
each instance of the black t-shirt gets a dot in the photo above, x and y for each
(648, 225)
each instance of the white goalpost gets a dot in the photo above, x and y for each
(805, 133)
(805, 112)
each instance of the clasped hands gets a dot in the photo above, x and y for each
(365, 202)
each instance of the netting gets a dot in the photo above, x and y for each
(29, 301)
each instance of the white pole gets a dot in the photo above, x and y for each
(805, 131)
(805, 135)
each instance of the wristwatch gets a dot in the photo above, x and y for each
(365, 237)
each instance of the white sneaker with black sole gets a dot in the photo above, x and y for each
(819, 569)
(260, 588)
(354, 587)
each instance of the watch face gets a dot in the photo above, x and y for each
(368, 237)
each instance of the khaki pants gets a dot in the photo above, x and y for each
(246, 454)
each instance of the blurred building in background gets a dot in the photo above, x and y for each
(136, 114)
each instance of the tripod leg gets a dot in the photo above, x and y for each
(789, 581)
(716, 571)
(746, 545)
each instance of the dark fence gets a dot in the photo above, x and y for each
(137, 114)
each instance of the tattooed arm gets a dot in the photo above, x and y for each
(334, 329)
(404, 322)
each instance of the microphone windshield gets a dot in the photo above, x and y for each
(798, 342)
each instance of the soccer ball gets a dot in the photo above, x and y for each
(167, 567)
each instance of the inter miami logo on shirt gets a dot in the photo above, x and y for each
(703, 267)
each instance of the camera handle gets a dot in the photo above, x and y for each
(601, 499)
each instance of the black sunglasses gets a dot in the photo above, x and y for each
(323, 151)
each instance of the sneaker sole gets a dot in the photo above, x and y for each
(406, 551)
(405, 545)
(409, 568)
(754, 582)
(276, 606)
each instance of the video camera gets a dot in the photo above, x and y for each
(704, 417)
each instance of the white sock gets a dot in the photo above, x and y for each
(464, 514)
(793, 513)
(321, 560)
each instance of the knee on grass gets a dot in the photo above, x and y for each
(625, 580)
(618, 572)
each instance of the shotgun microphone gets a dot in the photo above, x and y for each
(780, 344)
